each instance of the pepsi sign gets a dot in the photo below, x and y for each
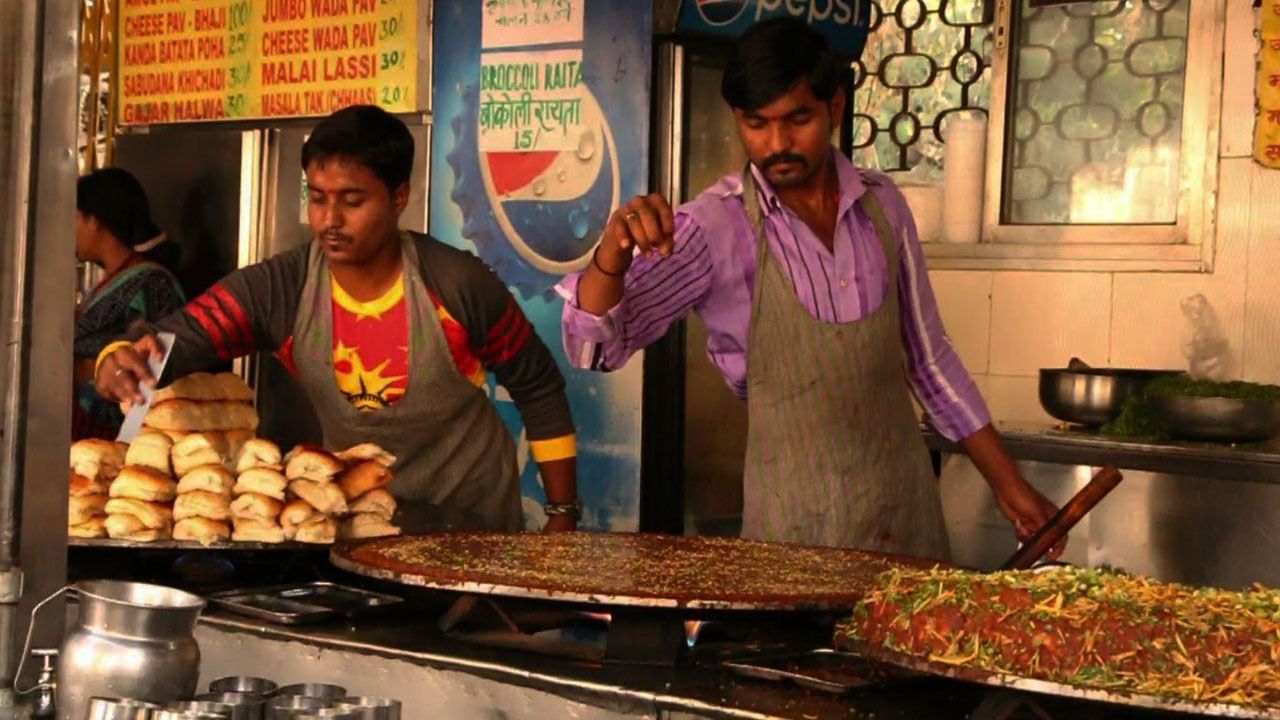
(843, 22)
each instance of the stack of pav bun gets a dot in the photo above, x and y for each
(195, 472)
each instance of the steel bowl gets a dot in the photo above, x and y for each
(329, 714)
(248, 706)
(1092, 396)
(371, 708)
(286, 707)
(244, 684)
(1216, 419)
(230, 712)
(315, 690)
(102, 708)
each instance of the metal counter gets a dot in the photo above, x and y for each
(440, 677)
(1050, 443)
(1194, 513)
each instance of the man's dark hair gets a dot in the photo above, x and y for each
(367, 135)
(115, 198)
(772, 57)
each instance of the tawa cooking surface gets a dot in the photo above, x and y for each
(627, 569)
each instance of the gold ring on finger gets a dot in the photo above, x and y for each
(633, 215)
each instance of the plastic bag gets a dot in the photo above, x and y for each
(1207, 351)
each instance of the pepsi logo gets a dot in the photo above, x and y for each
(535, 216)
(721, 12)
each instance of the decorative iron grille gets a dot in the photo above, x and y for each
(1096, 112)
(925, 60)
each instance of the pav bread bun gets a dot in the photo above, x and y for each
(191, 416)
(363, 477)
(247, 530)
(129, 527)
(97, 459)
(367, 451)
(152, 515)
(205, 387)
(320, 531)
(252, 506)
(208, 478)
(143, 483)
(326, 498)
(258, 453)
(263, 481)
(308, 462)
(201, 530)
(199, 448)
(82, 486)
(213, 506)
(378, 502)
(151, 449)
(95, 527)
(296, 512)
(82, 509)
(364, 526)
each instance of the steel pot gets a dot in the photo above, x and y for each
(130, 640)
(1092, 396)
(1217, 419)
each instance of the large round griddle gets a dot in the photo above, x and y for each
(625, 569)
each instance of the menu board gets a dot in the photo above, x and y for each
(206, 60)
(1267, 142)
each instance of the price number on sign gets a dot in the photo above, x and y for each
(391, 27)
(237, 106)
(238, 16)
(392, 96)
(237, 43)
(527, 139)
(392, 60)
(240, 75)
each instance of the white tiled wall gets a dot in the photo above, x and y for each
(1007, 325)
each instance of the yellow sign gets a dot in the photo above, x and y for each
(204, 60)
(1267, 129)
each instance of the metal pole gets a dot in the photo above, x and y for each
(36, 238)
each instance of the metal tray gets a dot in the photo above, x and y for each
(193, 545)
(303, 603)
(1048, 687)
(824, 670)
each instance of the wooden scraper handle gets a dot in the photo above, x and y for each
(1061, 523)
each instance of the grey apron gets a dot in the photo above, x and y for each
(452, 449)
(834, 453)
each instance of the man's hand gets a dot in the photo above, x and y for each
(124, 373)
(560, 523)
(1025, 507)
(1028, 510)
(646, 222)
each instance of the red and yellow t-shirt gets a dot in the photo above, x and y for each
(371, 355)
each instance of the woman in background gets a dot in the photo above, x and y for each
(114, 231)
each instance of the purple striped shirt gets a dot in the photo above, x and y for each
(712, 269)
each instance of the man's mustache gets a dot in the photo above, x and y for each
(332, 236)
(784, 157)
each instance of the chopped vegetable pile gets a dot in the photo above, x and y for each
(1137, 421)
(1099, 629)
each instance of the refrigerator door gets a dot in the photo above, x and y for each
(715, 419)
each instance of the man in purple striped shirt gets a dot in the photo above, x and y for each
(811, 282)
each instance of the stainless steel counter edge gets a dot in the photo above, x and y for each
(591, 692)
(1049, 443)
